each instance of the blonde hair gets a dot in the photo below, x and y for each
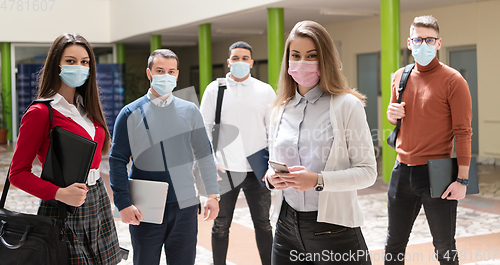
(332, 79)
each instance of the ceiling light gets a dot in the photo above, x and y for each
(240, 31)
(337, 12)
(178, 43)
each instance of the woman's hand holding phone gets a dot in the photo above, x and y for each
(275, 180)
(273, 177)
(297, 177)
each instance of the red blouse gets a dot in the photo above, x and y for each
(33, 140)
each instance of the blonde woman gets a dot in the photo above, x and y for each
(319, 130)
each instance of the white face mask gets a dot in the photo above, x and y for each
(74, 75)
(164, 84)
(240, 69)
(423, 53)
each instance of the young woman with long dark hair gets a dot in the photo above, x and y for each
(69, 79)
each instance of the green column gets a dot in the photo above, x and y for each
(155, 42)
(120, 53)
(205, 56)
(6, 88)
(275, 44)
(390, 59)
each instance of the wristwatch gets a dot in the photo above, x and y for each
(217, 198)
(319, 186)
(464, 182)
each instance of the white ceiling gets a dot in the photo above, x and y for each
(254, 21)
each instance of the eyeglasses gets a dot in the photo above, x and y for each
(429, 40)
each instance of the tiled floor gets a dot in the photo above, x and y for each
(478, 224)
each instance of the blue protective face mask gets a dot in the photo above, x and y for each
(240, 69)
(424, 53)
(164, 84)
(74, 75)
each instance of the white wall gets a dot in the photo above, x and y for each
(105, 21)
(132, 17)
(488, 56)
(89, 18)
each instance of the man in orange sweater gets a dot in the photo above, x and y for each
(435, 109)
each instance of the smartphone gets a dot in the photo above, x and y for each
(279, 167)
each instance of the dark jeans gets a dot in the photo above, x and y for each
(408, 190)
(259, 202)
(177, 234)
(300, 239)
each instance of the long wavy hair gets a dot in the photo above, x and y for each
(332, 79)
(50, 82)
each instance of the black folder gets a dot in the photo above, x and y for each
(258, 163)
(442, 172)
(70, 155)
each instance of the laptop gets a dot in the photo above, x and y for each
(150, 198)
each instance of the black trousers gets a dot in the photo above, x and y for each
(300, 239)
(409, 189)
(259, 201)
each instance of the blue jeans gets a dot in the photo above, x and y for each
(177, 234)
(259, 201)
(301, 240)
(409, 189)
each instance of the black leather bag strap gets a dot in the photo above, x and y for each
(47, 103)
(402, 86)
(6, 187)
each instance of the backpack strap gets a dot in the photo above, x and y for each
(218, 109)
(220, 96)
(402, 86)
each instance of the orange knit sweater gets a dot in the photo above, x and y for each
(438, 108)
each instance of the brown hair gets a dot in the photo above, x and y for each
(50, 82)
(425, 22)
(165, 53)
(332, 79)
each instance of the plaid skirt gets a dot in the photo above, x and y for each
(90, 233)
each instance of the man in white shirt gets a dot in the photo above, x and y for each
(244, 119)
